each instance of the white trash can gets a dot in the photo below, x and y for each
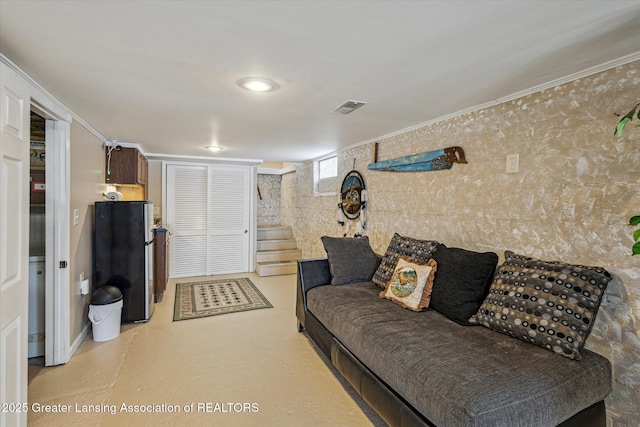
(105, 313)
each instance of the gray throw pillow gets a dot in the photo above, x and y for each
(462, 282)
(351, 259)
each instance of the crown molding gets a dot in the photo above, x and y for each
(516, 95)
(627, 59)
(202, 159)
(274, 171)
(70, 115)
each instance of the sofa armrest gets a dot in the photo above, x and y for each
(311, 273)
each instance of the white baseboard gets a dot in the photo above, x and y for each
(79, 339)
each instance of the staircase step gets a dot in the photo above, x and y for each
(276, 268)
(274, 233)
(273, 256)
(277, 252)
(276, 245)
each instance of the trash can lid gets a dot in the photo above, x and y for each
(106, 295)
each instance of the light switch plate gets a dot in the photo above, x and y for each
(513, 163)
(84, 287)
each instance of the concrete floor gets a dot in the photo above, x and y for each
(243, 369)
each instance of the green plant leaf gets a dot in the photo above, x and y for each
(636, 249)
(634, 220)
(620, 126)
(636, 235)
(630, 114)
(626, 118)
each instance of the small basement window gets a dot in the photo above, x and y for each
(325, 176)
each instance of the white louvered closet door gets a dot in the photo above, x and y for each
(228, 220)
(209, 213)
(187, 207)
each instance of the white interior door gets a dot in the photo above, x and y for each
(209, 211)
(58, 349)
(14, 243)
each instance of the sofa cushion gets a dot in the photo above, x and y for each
(411, 284)
(462, 282)
(417, 250)
(547, 303)
(458, 375)
(350, 259)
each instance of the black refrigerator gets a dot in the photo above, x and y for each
(123, 255)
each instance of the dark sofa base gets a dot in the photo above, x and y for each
(391, 407)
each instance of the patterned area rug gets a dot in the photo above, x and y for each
(214, 297)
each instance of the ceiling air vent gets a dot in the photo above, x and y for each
(348, 106)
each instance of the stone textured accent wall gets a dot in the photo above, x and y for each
(269, 206)
(577, 187)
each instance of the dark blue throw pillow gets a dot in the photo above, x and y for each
(462, 282)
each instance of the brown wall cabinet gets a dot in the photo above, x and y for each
(127, 166)
(160, 262)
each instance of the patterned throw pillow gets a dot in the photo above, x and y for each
(547, 303)
(417, 250)
(411, 284)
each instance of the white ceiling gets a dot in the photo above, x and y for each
(163, 73)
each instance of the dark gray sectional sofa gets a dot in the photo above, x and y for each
(423, 368)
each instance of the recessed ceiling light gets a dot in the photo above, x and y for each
(257, 84)
(214, 148)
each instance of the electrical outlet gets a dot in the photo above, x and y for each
(76, 217)
(513, 163)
